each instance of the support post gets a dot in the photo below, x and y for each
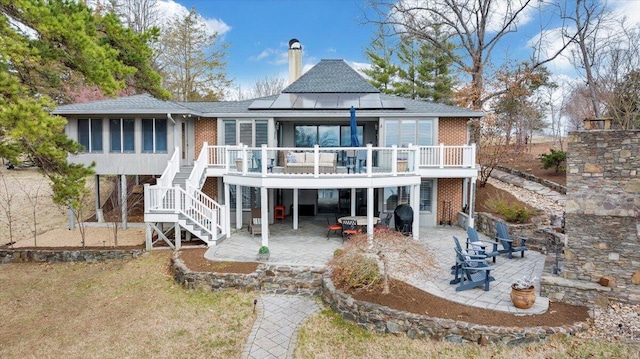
(472, 202)
(99, 214)
(415, 205)
(238, 206)
(227, 209)
(353, 201)
(295, 208)
(370, 213)
(147, 236)
(178, 235)
(123, 200)
(264, 205)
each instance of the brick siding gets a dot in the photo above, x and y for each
(452, 131)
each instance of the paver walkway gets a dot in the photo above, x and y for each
(275, 331)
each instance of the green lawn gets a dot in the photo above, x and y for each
(134, 309)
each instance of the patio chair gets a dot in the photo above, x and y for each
(256, 226)
(479, 246)
(508, 246)
(349, 228)
(255, 213)
(383, 225)
(471, 253)
(471, 271)
(333, 226)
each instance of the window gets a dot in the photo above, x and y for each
(250, 197)
(121, 132)
(325, 135)
(395, 196)
(426, 189)
(154, 135)
(90, 134)
(405, 132)
(253, 133)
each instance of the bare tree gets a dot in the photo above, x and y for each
(33, 196)
(269, 85)
(578, 108)
(138, 15)
(475, 27)
(588, 19)
(397, 256)
(492, 146)
(6, 204)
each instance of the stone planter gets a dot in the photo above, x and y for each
(263, 257)
(523, 298)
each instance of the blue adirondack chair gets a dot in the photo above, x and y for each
(479, 246)
(471, 270)
(502, 237)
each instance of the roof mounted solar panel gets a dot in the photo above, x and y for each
(284, 101)
(327, 101)
(306, 101)
(261, 105)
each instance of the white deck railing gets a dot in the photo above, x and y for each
(393, 161)
(201, 210)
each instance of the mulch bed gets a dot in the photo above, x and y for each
(408, 298)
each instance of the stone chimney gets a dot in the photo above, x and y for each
(295, 60)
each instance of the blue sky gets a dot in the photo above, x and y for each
(258, 32)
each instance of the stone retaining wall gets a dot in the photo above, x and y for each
(271, 279)
(381, 319)
(53, 255)
(550, 184)
(485, 223)
(602, 218)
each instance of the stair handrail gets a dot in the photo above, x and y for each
(201, 215)
(173, 167)
(199, 166)
(201, 197)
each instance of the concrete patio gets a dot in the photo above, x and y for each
(308, 246)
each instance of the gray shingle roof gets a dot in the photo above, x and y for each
(331, 76)
(136, 104)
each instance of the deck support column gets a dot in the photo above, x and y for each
(370, 213)
(147, 236)
(472, 201)
(295, 208)
(265, 216)
(227, 209)
(99, 214)
(238, 206)
(123, 200)
(353, 201)
(178, 235)
(415, 205)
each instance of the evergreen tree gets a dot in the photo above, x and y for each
(47, 47)
(192, 61)
(424, 72)
(382, 71)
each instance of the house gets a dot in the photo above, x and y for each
(218, 160)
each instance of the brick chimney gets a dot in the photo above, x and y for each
(295, 60)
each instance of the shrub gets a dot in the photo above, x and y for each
(263, 250)
(338, 252)
(355, 270)
(555, 159)
(511, 212)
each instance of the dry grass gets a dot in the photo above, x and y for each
(116, 309)
(326, 335)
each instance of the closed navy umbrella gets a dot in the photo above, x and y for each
(354, 129)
